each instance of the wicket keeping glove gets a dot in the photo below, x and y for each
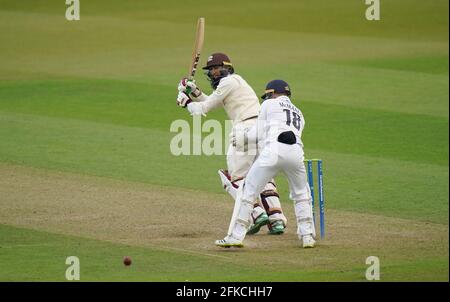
(239, 138)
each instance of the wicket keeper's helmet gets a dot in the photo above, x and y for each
(218, 59)
(276, 86)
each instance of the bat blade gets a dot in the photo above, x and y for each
(198, 45)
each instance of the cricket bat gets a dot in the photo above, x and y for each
(199, 38)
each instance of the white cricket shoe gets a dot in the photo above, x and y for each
(229, 242)
(308, 241)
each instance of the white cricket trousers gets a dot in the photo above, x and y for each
(276, 157)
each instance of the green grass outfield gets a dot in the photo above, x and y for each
(86, 103)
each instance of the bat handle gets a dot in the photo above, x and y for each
(190, 78)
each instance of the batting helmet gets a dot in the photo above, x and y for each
(218, 59)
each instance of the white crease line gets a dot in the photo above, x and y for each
(22, 245)
(192, 252)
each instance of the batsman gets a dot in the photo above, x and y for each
(241, 104)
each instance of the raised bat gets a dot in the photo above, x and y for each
(199, 38)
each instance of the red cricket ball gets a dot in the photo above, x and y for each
(127, 260)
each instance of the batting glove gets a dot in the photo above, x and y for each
(183, 99)
(189, 87)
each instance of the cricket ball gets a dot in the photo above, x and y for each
(127, 260)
